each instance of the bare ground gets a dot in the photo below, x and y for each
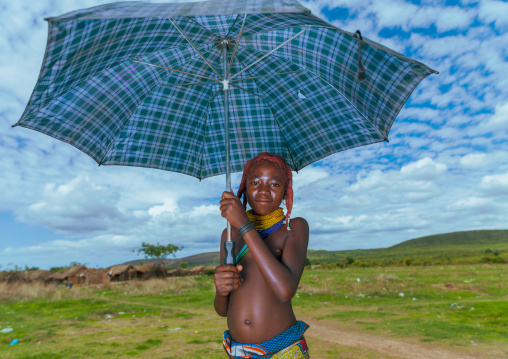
(387, 347)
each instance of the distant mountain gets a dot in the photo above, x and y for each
(455, 247)
(203, 259)
(468, 238)
(447, 248)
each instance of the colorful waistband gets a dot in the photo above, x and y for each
(290, 341)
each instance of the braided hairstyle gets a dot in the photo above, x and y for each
(279, 162)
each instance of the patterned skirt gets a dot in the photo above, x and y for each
(288, 344)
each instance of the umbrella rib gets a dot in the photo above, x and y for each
(350, 103)
(183, 72)
(214, 96)
(236, 46)
(201, 26)
(192, 83)
(274, 117)
(342, 68)
(287, 28)
(204, 136)
(252, 93)
(271, 52)
(263, 76)
(194, 46)
(232, 26)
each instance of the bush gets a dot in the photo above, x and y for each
(359, 263)
(184, 265)
(498, 260)
(210, 271)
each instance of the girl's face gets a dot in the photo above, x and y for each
(265, 188)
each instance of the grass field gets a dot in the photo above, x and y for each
(462, 308)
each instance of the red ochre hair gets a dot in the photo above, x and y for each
(279, 162)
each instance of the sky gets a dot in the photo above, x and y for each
(444, 170)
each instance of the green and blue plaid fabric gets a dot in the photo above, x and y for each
(99, 90)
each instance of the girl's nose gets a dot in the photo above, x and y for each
(264, 188)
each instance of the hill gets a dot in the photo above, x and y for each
(203, 259)
(448, 248)
(469, 238)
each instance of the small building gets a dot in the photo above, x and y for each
(179, 272)
(92, 276)
(147, 271)
(67, 276)
(39, 275)
(120, 273)
(198, 270)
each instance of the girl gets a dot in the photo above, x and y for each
(255, 295)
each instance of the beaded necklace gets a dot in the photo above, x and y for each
(265, 225)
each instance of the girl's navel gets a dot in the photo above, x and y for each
(247, 321)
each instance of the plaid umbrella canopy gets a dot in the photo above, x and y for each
(153, 85)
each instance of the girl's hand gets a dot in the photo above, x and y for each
(232, 209)
(227, 279)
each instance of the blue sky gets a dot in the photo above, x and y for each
(445, 168)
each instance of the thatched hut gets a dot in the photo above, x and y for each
(14, 277)
(93, 276)
(147, 271)
(39, 275)
(68, 276)
(120, 273)
(198, 270)
(179, 272)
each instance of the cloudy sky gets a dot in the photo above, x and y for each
(445, 168)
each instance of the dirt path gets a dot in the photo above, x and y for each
(403, 348)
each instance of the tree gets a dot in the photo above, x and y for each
(158, 252)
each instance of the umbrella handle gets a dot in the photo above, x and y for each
(229, 253)
(229, 246)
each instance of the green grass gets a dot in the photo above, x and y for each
(449, 306)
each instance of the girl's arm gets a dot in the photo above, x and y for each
(282, 277)
(226, 278)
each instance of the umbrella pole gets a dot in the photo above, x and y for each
(229, 245)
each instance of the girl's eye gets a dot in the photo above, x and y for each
(254, 183)
(275, 184)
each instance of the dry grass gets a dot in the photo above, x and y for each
(24, 291)
(156, 286)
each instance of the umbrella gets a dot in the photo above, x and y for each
(199, 88)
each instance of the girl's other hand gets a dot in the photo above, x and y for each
(227, 279)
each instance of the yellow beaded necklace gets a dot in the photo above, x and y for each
(264, 222)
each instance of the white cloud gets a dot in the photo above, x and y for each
(479, 160)
(169, 206)
(425, 168)
(494, 11)
(500, 118)
(494, 185)
(76, 207)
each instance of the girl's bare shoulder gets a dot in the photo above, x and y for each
(299, 224)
